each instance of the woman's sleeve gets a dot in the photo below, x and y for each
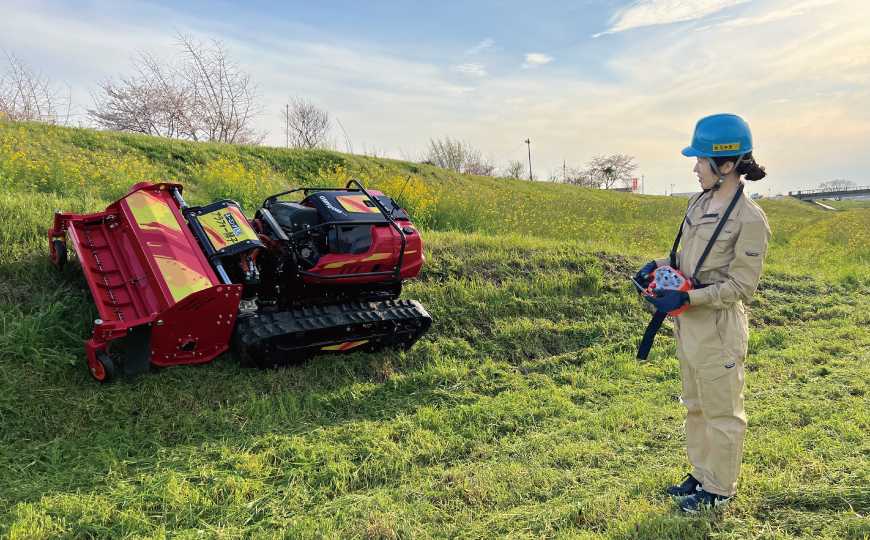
(666, 261)
(743, 272)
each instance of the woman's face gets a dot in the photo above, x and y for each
(706, 177)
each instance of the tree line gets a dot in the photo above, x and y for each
(202, 93)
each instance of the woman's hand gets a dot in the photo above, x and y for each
(642, 276)
(667, 300)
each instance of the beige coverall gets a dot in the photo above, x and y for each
(712, 335)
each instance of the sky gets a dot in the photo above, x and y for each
(577, 79)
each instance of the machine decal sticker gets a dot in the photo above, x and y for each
(344, 346)
(378, 257)
(233, 224)
(340, 264)
(328, 204)
(180, 270)
(357, 203)
(226, 227)
(151, 212)
(180, 279)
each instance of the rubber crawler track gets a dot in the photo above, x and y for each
(391, 323)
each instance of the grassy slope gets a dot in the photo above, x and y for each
(522, 413)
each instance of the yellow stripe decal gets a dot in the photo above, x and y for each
(340, 264)
(150, 212)
(378, 257)
(357, 203)
(344, 346)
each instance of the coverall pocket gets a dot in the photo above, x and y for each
(720, 388)
(721, 253)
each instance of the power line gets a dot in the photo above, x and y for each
(511, 152)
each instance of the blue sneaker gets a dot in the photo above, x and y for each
(703, 500)
(689, 487)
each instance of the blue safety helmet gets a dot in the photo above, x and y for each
(720, 135)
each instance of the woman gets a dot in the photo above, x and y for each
(712, 334)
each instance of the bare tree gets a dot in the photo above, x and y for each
(305, 124)
(154, 101)
(28, 95)
(484, 166)
(576, 176)
(374, 151)
(837, 185)
(606, 171)
(514, 169)
(224, 99)
(451, 154)
(203, 95)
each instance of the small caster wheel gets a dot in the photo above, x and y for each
(101, 367)
(58, 257)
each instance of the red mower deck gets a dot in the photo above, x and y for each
(150, 280)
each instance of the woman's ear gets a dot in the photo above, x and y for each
(726, 168)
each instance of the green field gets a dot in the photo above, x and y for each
(521, 414)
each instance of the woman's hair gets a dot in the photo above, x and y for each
(748, 167)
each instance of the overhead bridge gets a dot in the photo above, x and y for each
(810, 194)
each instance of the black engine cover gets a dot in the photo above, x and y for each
(293, 216)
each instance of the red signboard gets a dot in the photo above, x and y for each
(634, 185)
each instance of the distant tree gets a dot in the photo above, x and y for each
(576, 176)
(452, 154)
(485, 166)
(225, 100)
(607, 171)
(154, 100)
(305, 124)
(514, 169)
(374, 151)
(203, 96)
(28, 95)
(836, 185)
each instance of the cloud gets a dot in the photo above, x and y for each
(537, 59)
(777, 15)
(470, 70)
(483, 46)
(652, 12)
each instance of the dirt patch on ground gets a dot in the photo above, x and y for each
(17, 295)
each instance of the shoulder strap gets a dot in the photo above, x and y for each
(680, 233)
(716, 232)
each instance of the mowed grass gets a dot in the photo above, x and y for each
(522, 414)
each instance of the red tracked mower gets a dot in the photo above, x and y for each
(321, 275)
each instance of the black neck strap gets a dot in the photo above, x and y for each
(716, 233)
(712, 238)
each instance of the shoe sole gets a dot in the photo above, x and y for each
(715, 506)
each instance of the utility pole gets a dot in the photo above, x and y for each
(641, 185)
(672, 190)
(529, 144)
(564, 171)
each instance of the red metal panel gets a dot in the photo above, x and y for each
(196, 329)
(170, 250)
(383, 255)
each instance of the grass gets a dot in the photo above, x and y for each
(522, 414)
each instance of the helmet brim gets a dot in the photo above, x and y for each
(691, 152)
